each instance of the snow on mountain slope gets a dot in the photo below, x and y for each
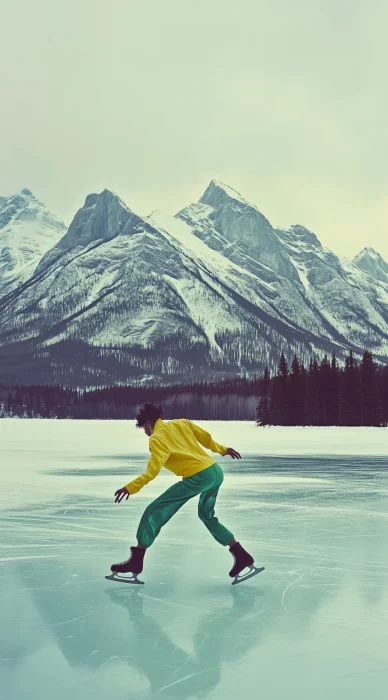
(27, 230)
(101, 218)
(248, 286)
(371, 262)
(311, 284)
(215, 271)
(118, 279)
(229, 224)
(183, 235)
(370, 276)
(216, 285)
(115, 265)
(179, 234)
(338, 291)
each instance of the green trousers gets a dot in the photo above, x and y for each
(158, 513)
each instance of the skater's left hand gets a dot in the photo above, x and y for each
(233, 453)
(120, 494)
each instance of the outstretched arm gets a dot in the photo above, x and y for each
(205, 439)
(159, 456)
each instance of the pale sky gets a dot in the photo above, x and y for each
(284, 100)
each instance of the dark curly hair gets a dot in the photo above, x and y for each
(150, 413)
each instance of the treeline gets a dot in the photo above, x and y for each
(166, 359)
(233, 399)
(324, 394)
(321, 394)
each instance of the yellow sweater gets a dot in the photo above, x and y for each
(174, 445)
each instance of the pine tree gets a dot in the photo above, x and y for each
(349, 403)
(334, 383)
(324, 391)
(371, 407)
(313, 407)
(296, 393)
(383, 383)
(9, 405)
(280, 406)
(303, 393)
(17, 403)
(263, 407)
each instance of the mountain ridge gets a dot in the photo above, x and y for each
(215, 288)
(27, 230)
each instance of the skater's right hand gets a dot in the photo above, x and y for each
(233, 453)
(120, 494)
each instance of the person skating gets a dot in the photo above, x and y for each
(175, 445)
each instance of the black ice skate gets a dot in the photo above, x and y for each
(133, 565)
(242, 560)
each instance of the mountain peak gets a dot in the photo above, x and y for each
(91, 200)
(104, 197)
(370, 252)
(27, 231)
(102, 218)
(24, 209)
(108, 194)
(303, 234)
(369, 260)
(218, 194)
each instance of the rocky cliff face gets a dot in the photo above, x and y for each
(343, 300)
(371, 262)
(27, 230)
(214, 290)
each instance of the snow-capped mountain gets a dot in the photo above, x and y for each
(214, 290)
(330, 296)
(27, 230)
(371, 262)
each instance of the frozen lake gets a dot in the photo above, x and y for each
(309, 503)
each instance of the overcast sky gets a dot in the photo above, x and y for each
(284, 100)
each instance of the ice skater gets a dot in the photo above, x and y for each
(175, 445)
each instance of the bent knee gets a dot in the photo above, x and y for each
(204, 515)
(147, 512)
(201, 513)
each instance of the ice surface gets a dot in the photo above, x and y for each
(311, 505)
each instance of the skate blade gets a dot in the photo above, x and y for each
(133, 579)
(253, 571)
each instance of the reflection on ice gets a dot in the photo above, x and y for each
(312, 625)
